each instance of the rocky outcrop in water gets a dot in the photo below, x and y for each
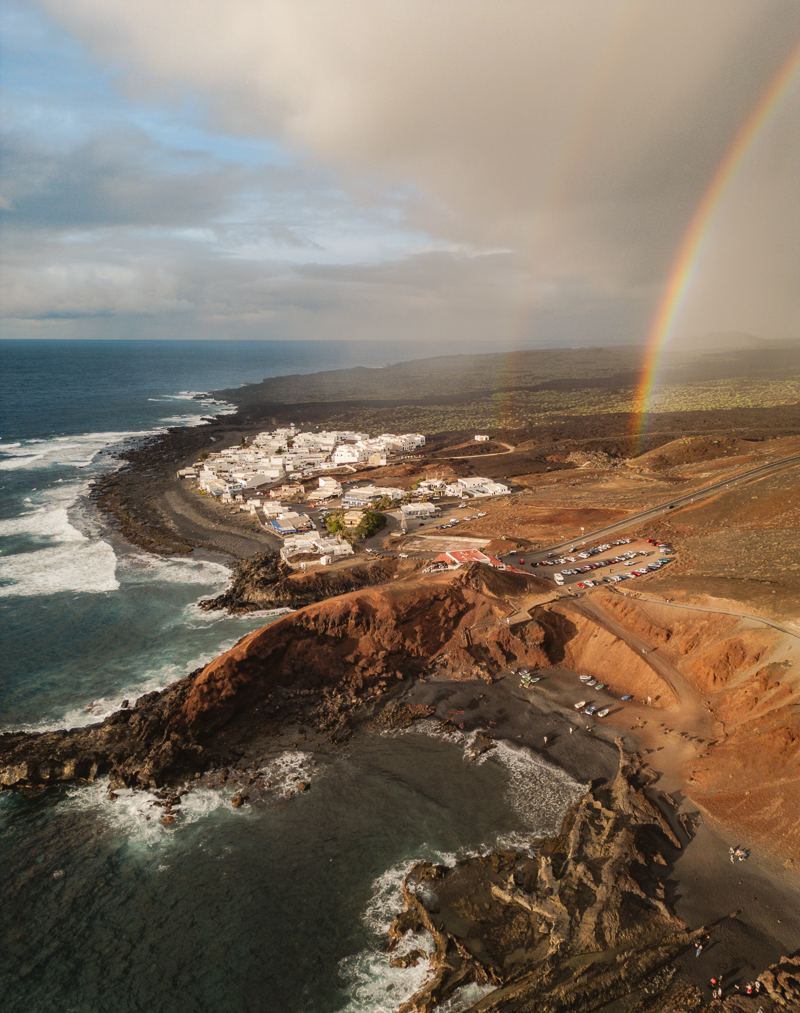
(519, 922)
(584, 924)
(264, 581)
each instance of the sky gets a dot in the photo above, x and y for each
(517, 173)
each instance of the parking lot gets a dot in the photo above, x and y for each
(590, 565)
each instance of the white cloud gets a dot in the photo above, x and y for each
(581, 136)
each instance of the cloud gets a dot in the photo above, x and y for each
(577, 136)
(117, 179)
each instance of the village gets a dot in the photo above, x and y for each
(300, 487)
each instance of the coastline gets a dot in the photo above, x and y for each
(226, 745)
(765, 892)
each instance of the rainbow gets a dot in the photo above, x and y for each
(693, 240)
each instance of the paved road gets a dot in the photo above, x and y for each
(693, 497)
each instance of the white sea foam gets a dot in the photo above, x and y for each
(140, 567)
(75, 451)
(377, 987)
(83, 566)
(538, 791)
(183, 420)
(464, 997)
(71, 561)
(136, 818)
(81, 449)
(198, 618)
(286, 770)
(45, 522)
(373, 985)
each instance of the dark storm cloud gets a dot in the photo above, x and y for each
(574, 139)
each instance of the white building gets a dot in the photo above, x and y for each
(367, 494)
(315, 545)
(350, 453)
(292, 491)
(420, 510)
(477, 486)
(329, 488)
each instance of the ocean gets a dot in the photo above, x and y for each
(281, 906)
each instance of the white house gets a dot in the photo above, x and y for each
(476, 486)
(316, 545)
(273, 508)
(329, 488)
(369, 493)
(349, 453)
(420, 510)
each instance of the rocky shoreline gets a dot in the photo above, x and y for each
(382, 658)
(582, 923)
(589, 923)
(264, 581)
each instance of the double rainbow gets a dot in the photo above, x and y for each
(693, 240)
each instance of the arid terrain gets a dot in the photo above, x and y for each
(705, 650)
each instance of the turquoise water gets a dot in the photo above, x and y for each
(276, 908)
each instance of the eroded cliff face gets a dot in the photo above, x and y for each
(744, 675)
(517, 921)
(327, 662)
(361, 642)
(318, 664)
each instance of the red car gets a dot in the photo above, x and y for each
(522, 562)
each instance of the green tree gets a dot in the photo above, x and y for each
(370, 523)
(335, 523)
